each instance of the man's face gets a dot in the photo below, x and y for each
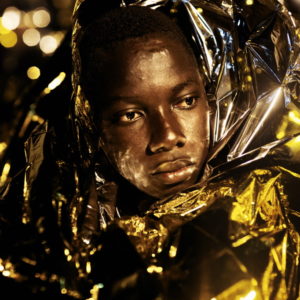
(154, 121)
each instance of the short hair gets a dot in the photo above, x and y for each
(114, 27)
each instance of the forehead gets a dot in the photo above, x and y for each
(129, 50)
(137, 63)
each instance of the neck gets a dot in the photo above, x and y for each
(132, 201)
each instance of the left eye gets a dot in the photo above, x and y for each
(186, 103)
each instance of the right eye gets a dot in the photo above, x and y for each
(128, 117)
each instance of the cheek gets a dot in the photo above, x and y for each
(125, 161)
(197, 126)
(198, 135)
(130, 166)
(126, 153)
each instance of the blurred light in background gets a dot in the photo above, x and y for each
(31, 37)
(9, 39)
(3, 146)
(48, 44)
(249, 2)
(41, 18)
(32, 27)
(27, 19)
(11, 18)
(30, 30)
(3, 30)
(27, 24)
(57, 81)
(33, 72)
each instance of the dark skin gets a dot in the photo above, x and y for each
(154, 121)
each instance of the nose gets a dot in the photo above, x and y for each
(166, 133)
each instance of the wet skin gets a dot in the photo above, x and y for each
(154, 120)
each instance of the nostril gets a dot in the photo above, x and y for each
(165, 143)
(166, 134)
(180, 144)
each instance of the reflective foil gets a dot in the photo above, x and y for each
(234, 235)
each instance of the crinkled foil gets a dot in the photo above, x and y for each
(234, 238)
(235, 235)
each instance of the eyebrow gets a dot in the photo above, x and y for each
(181, 86)
(135, 99)
(115, 99)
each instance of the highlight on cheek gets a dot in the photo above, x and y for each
(130, 167)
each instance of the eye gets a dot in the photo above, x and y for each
(128, 117)
(187, 103)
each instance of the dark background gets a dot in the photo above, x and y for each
(16, 57)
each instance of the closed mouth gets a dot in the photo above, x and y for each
(172, 166)
(174, 173)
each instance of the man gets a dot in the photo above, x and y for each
(148, 102)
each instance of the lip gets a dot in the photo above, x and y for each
(171, 166)
(172, 172)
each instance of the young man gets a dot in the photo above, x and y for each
(142, 80)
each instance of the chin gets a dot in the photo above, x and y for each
(172, 190)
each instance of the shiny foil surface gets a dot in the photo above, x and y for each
(234, 235)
